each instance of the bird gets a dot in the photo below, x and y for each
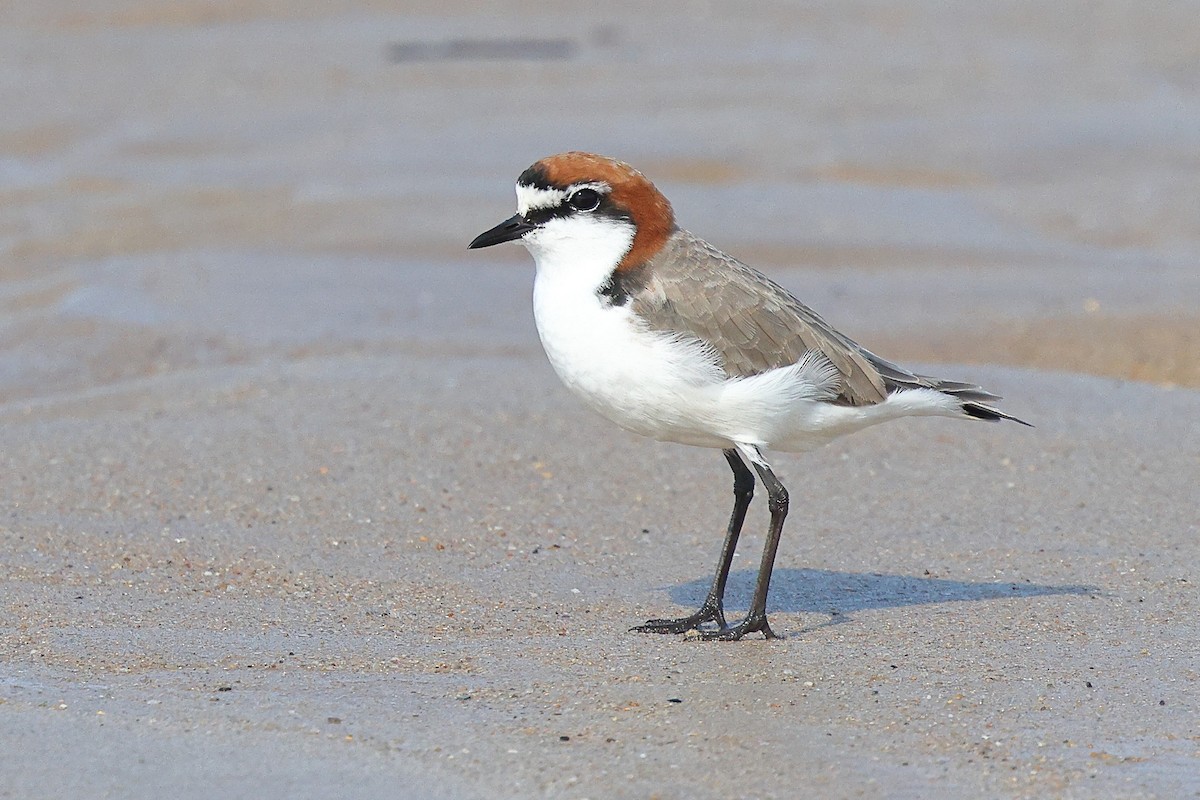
(668, 337)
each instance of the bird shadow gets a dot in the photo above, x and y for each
(839, 594)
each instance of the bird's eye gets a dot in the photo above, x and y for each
(584, 200)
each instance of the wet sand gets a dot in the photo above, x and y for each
(293, 505)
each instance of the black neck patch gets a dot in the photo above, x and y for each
(622, 284)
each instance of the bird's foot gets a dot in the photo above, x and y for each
(751, 624)
(711, 611)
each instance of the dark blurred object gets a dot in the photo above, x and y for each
(483, 50)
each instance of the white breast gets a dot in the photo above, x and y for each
(632, 376)
(639, 379)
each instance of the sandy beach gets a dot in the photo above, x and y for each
(293, 506)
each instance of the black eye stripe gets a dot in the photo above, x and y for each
(582, 201)
(540, 216)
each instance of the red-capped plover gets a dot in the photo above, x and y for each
(667, 336)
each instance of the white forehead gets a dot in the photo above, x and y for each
(535, 198)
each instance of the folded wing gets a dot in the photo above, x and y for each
(755, 325)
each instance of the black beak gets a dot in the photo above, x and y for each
(512, 228)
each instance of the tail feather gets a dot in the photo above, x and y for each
(986, 412)
(963, 391)
(975, 399)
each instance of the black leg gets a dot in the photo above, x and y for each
(743, 493)
(756, 617)
(713, 609)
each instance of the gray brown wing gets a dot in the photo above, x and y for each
(753, 323)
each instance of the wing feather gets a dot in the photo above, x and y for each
(750, 321)
(755, 325)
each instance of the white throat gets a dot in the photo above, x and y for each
(578, 254)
